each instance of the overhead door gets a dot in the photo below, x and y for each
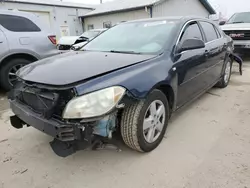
(44, 16)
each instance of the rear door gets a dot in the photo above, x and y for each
(190, 65)
(4, 46)
(215, 52)
(26, 36)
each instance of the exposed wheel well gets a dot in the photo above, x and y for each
(168, 91)
(15, 56)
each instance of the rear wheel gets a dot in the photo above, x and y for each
(8, 71)
(144, 123)
(224, 81)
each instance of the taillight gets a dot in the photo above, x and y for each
(52, 38)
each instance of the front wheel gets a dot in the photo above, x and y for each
(8, 76)
(224, 81)
(144, 123)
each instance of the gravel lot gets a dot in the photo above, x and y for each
(207, 145)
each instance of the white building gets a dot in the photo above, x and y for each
(60, 17)
(108, 14)
(65, 18)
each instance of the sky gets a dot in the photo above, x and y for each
(227, 7)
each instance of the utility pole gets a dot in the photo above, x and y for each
(100, 1)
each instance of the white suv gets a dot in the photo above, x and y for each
(23, 40)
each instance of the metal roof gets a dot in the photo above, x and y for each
(170, 18)
(53, 3)
(124, 5)
(208, 6)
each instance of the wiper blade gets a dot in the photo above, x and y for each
(124, 52)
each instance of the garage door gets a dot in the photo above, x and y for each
(44, 16)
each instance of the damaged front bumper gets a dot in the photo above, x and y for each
(69, 137)
(60, 130)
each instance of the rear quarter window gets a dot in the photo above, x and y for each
(209, 31)
(18, 24)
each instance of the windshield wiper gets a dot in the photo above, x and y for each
(124, 52)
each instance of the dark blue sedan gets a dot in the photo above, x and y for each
(129, 80)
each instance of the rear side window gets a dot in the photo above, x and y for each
(18, 24)
(209, 31)
(218, 32)
(192, 31)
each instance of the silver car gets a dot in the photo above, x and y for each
(23, 40)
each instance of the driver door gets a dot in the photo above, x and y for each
(189, 66)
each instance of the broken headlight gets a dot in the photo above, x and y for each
(93, 104)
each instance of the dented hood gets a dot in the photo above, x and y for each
(72, 67)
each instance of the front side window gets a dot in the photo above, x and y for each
(209, 31)
(134, 37)
(192, 31)
(243, 17)
(18, 24)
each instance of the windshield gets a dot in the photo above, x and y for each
(137, 37)
(243, 17)
(90, 34)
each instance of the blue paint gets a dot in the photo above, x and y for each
(105, 126)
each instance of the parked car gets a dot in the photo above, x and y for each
(130, 79)
(65, 43)
(238, 28)
(78, 46)
(23, 40)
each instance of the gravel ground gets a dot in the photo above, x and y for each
(207, 145)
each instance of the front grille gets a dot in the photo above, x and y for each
(47, 102)
(64, 47)
(41, 101)
(238, 34)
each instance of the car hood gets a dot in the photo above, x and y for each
(236, 26)
(68, 40)
(77, 66)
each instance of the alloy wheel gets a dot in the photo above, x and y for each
(12, 77)
(227, 72)
(154, 121)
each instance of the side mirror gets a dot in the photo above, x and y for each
(191, 44)
(222, 22)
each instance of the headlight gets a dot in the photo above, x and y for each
(93, 104)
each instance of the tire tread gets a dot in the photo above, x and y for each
(129, 125)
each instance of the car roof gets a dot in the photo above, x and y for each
(104, 29)
(17, 13)
(27, 15)
(171, 18)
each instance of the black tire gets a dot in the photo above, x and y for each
(223, 83)
(5, 69)
(132, 123)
